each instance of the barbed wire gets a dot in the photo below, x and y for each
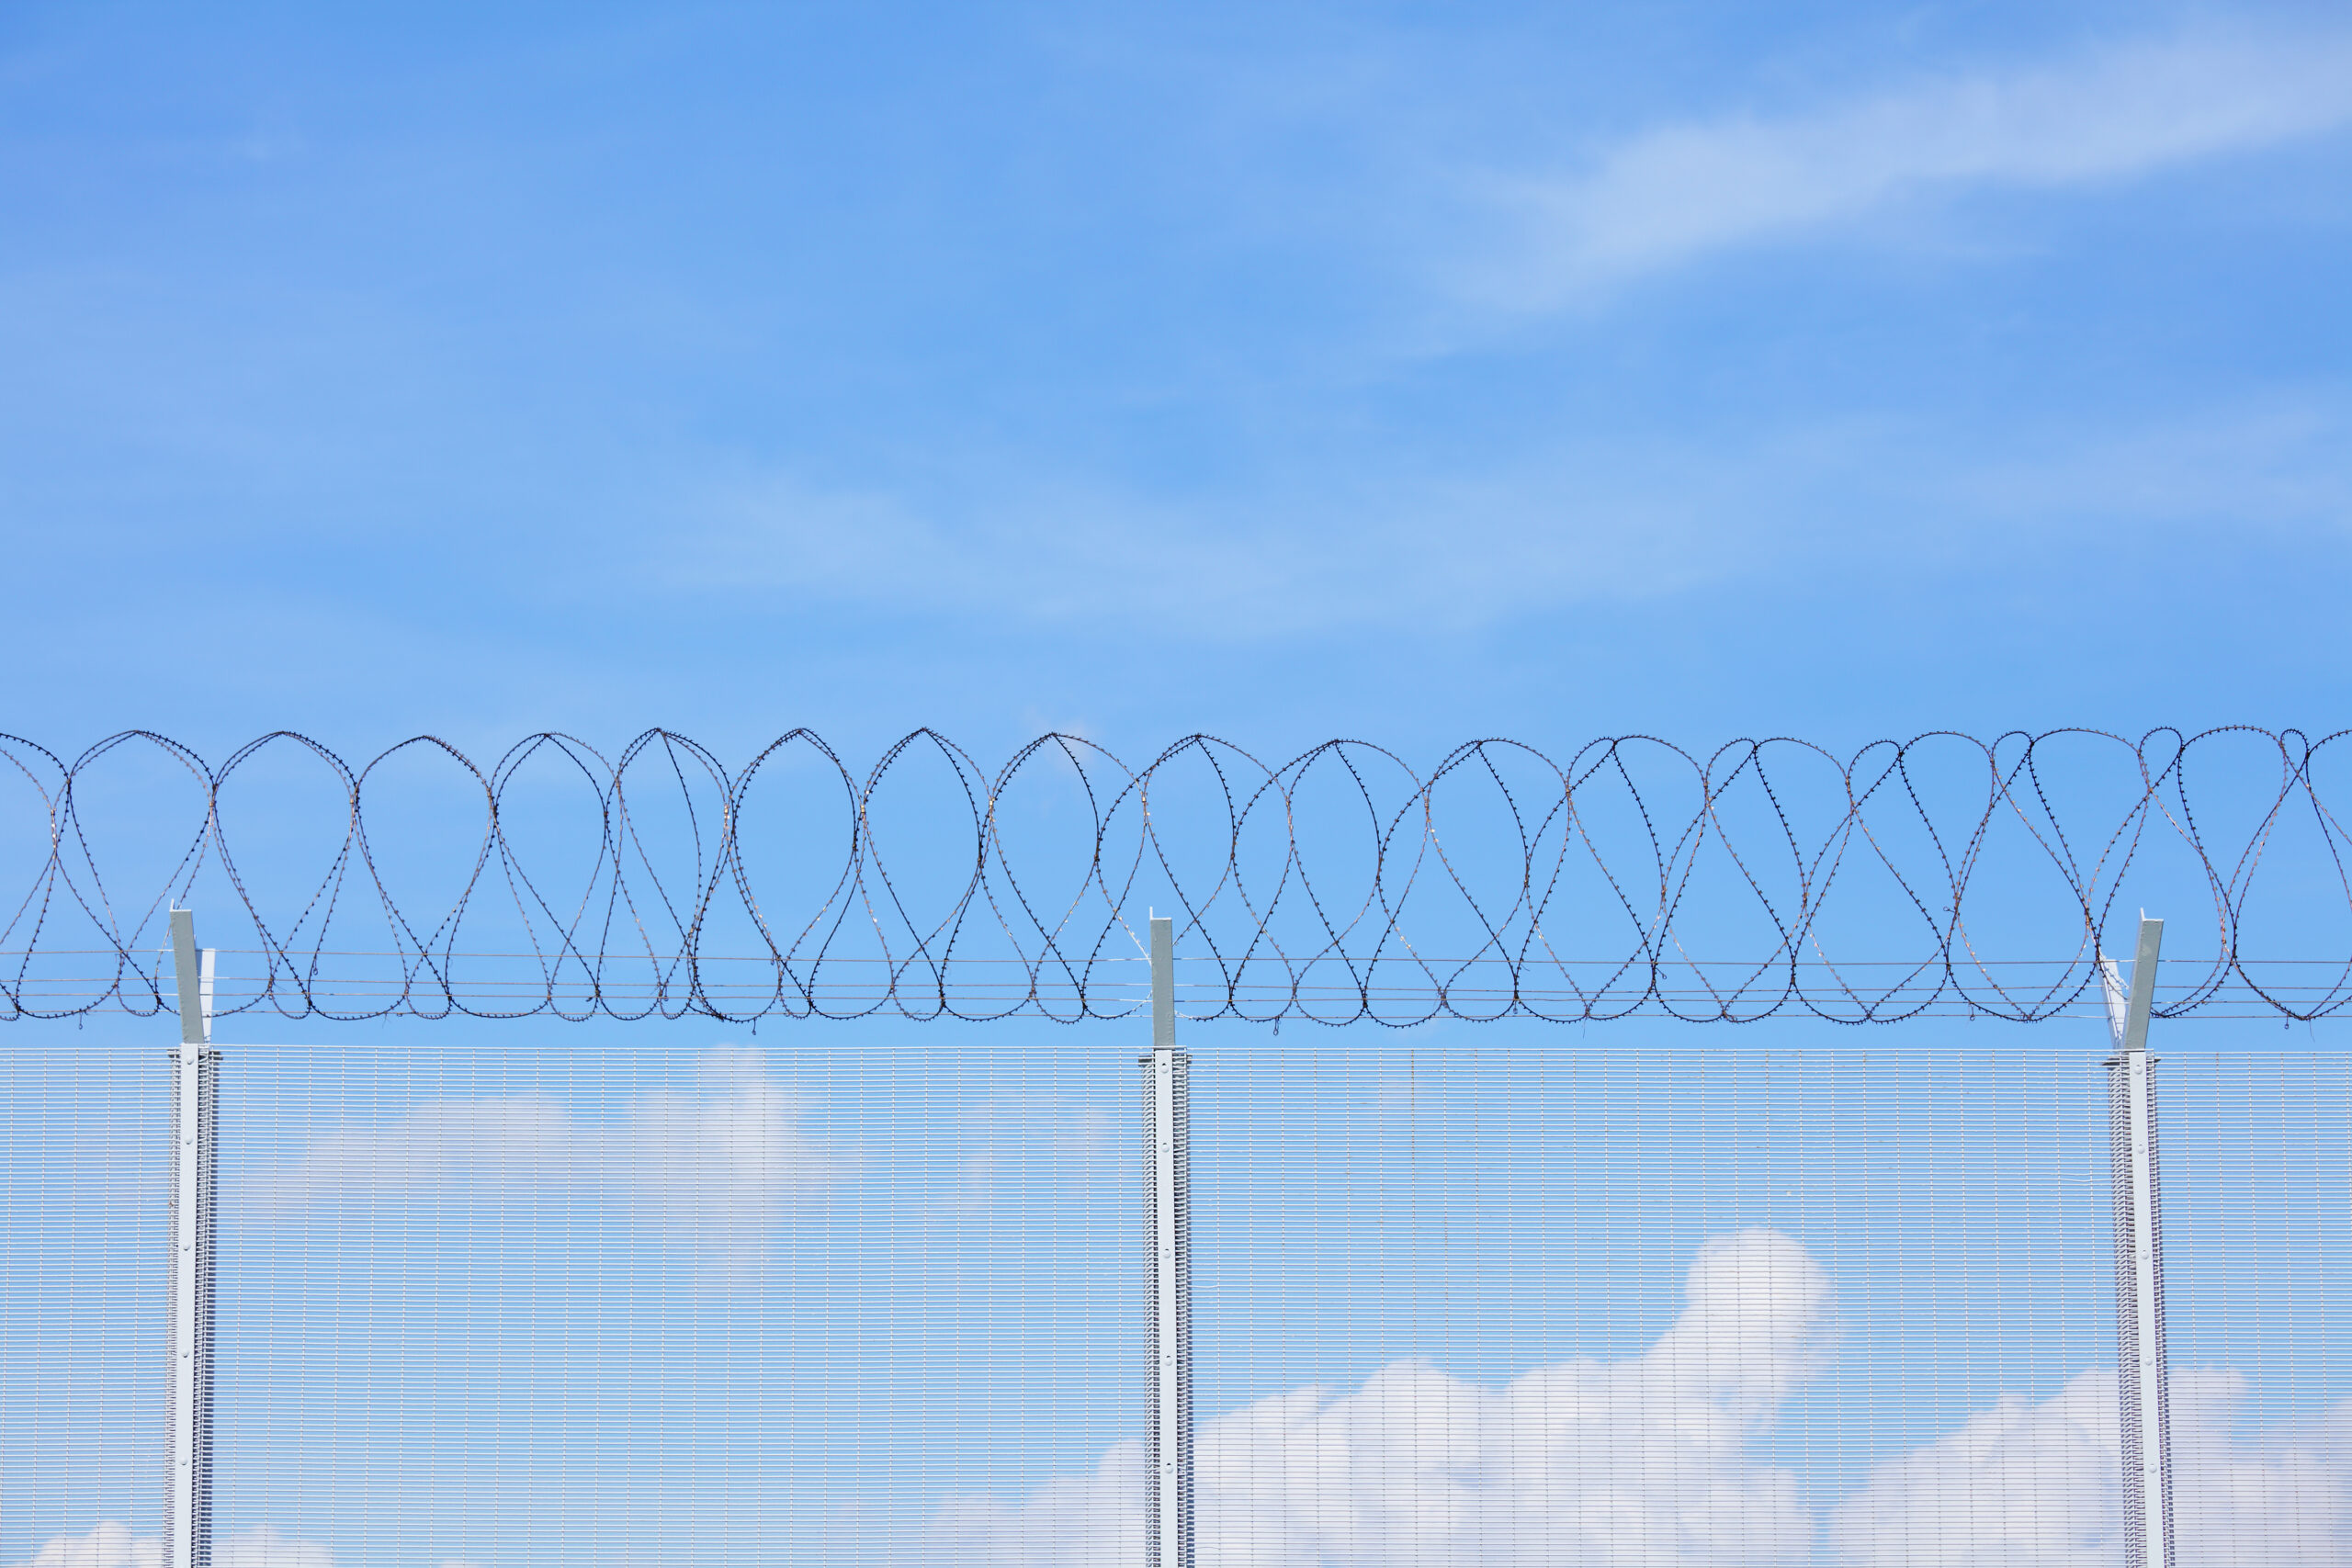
(1940, 874)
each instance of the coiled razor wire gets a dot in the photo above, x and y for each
(1940, 874)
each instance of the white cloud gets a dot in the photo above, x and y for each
(111, 1545)
(1072, 1521)
(2020, 1482)
(1647, 1461)
(2040, 1485)
(714, 1169)
(718, 1170)
(1681, 190)
(1640, 1460)
(507, 1144)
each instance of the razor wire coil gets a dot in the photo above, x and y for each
(1585, 920)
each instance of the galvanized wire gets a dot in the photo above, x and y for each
(1763, 877)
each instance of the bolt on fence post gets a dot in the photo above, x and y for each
(1168, 1340)
(187, 1442)
(2143, 1394)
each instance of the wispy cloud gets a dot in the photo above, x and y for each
(1452, 551)
(1635, 517)
(1030, 1132)
(1679, 191)
(1630, 506)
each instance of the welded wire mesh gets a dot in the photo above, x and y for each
(1167, 1312)
(1466, 1298)
(2258, 1232)
(1942, 874)
(85, 1151)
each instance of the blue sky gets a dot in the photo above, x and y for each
(1399, 371)
(1406, 372)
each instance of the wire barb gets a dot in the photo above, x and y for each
(1942, 874)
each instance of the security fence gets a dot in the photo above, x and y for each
(407, 1252)
(1459, 1296)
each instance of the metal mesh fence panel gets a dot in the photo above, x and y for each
(84, 1155)
(2257, 1216)
(1636, 1307)
(1477, 1298)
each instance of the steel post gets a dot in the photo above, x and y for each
(1168, 1445)
(187, 1452)
(2143, 1394)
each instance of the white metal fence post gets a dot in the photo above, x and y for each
(2143, 1394)
(1167, 1444)
(187, 1451)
